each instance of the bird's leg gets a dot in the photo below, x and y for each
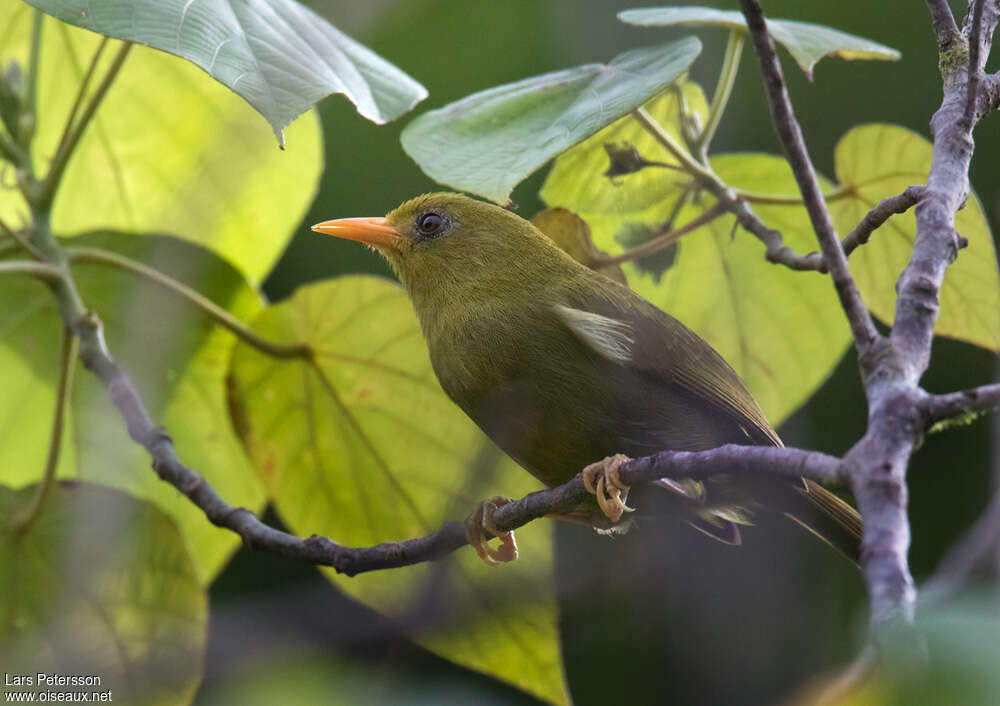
(603, 481)
(479, 526)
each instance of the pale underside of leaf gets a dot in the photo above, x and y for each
(490, 141)
(279, 55)
(168, 151)
(178, 362)
(363, 446)
(807, 42)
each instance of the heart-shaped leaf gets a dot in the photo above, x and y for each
(168, 152)
(100, 586)
(277, 54)
(490, 141)
(874, 162)
(806, 42)
(361, 444)
(782, 331)
(177, 360)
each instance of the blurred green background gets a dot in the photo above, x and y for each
(669, 619)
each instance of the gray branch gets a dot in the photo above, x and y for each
(899, 410)
(731, 459)
(958, 404)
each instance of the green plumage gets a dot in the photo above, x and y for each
(562, 366)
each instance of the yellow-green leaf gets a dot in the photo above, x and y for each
(782, 331)
(577, 180)
(277, 54)
(878, 161)
(805, 41)
(177, 360)
(488, 142)
(101, 585)
(169, 151)
(362, 445)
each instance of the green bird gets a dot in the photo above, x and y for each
(561, 366)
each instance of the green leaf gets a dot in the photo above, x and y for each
(806, 42)
(168, 152)
(782, 331)
(488, 142)
(177, 360)
(278, 55)
(577, 180)
(362, 445)
(100, 585)
(878, 161)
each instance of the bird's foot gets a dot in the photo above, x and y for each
(479, 526)
(602, 480)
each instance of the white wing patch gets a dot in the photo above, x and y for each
(609, 337)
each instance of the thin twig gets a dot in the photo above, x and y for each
(957, 404)
(783, 118)
(223, 317)
(59, 162)
(875, 218)
(975, 69)
(67, 365)
(660, 242)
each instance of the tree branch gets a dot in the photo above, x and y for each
(792, 463)
(957, 404)
(944, 24)
(783, 117)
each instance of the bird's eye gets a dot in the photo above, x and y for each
(431, 224)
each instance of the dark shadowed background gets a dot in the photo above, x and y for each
(661, 615)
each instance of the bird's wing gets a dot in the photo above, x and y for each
(627, 330)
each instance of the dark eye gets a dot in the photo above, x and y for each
(431, 224)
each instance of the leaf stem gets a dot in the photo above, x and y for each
(39, 270)
(81, 92)
(221, 316)
(31, 87)
(68, 144)
(661, 241)
(21, 240)
(672, 145)
(723, 89)
(840, 192)
(67, 365)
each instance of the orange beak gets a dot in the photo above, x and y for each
(372, 231)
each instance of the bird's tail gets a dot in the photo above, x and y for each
(719, 511)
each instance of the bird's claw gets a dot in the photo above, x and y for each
(479, 523)
(602, 480)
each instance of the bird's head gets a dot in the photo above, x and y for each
(444, 241)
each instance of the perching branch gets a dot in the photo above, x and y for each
(731, 459)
